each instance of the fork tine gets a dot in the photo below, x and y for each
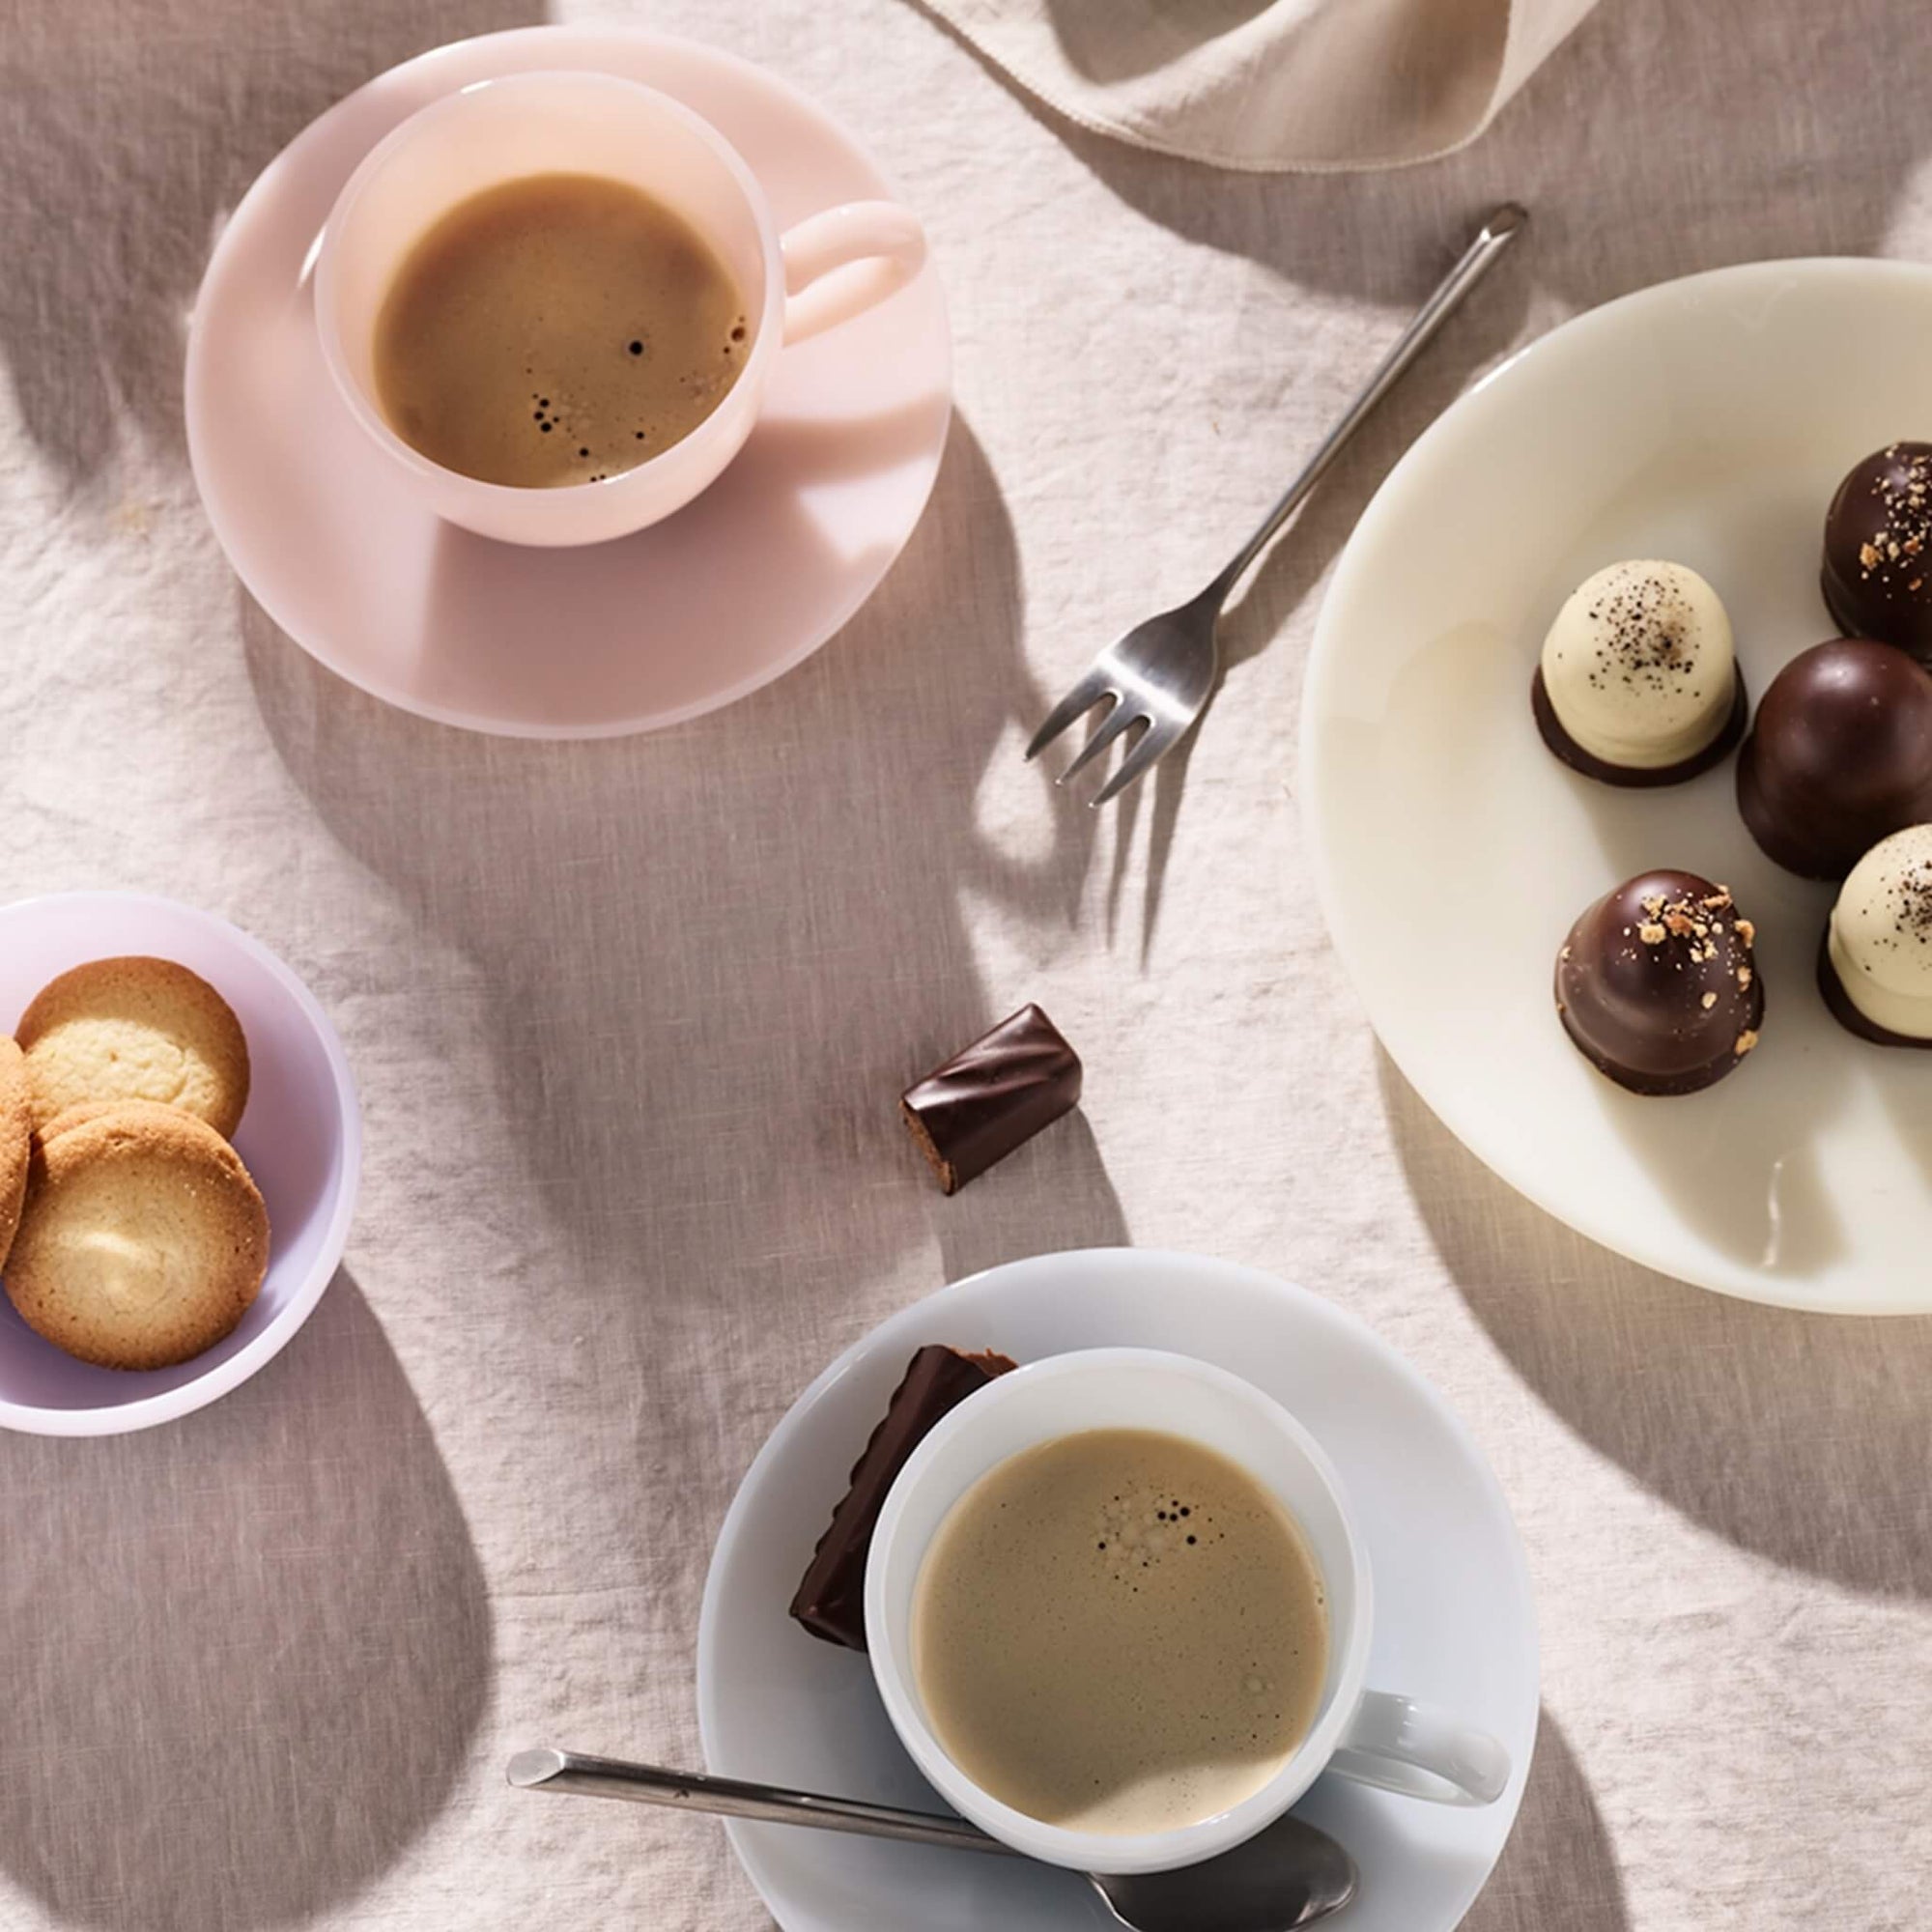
(1105, 732)
(1156, 740)
(1084, 695)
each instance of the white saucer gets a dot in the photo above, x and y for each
(1707, 422)
(591, 643)
(1454, 1617)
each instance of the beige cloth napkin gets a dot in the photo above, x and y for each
(1273, 84)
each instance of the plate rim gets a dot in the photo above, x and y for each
(195, 374)
(1571, 337)
(1293, 1294)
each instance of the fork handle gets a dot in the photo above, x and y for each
(1502, 227)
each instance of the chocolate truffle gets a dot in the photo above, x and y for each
(1875, 969)
(1839, 756)
(1658, 986)
(1637, 684)
(1878, 547)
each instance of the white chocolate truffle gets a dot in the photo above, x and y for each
(1881, 934)
(1639, 666)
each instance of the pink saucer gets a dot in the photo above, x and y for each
(573, 643)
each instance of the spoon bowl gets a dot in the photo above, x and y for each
(1289, 1874)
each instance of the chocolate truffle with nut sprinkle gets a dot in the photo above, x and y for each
(1658, 985)
(1877, 575)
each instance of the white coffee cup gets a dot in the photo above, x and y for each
(1366, 1735)
(596, 123)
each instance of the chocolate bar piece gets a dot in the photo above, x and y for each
(990, 1098)
(830, 1601)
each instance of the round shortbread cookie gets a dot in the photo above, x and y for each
(16, 1130)
(144, 1240)
(135, 1029)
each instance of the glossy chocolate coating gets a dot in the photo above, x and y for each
(991, 1097)
(1658, 985)
(831, 1600)
(1637, 777)
(1877, 574)
(1839, 756)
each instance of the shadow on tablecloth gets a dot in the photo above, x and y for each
(243, 1656)
(1557, 1870)
(716, 955)
(1799, 1436)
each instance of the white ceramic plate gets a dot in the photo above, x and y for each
(1454, 1616)
(1707, 422)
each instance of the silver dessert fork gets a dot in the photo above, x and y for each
(1162, 673)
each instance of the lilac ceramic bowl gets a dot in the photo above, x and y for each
(300, 1137)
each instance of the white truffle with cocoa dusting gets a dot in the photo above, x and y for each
(1639, 665)
(1879, 939)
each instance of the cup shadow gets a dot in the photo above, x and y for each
(134, 144)
(1731, 1413)
(714, 956)
(259, 1635)
(1558, 1868)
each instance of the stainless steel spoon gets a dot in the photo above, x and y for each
(1288, 1875)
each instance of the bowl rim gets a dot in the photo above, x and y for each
(146, 1411)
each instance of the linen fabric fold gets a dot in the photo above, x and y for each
(1272, 85)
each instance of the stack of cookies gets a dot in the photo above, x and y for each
(132, 1237)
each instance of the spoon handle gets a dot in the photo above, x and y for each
(726, 1798)
(1495, 235)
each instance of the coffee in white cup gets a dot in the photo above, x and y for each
(1119, 1631)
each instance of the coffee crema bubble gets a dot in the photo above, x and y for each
(556, 330)
(1121, 1632)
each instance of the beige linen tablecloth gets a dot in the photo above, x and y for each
(629, 1018)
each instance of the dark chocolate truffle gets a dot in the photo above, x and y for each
(1658, 985)
(1877, 575)
(1839, 756)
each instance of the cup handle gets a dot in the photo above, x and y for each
(878, 231)
(1420, 1751)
